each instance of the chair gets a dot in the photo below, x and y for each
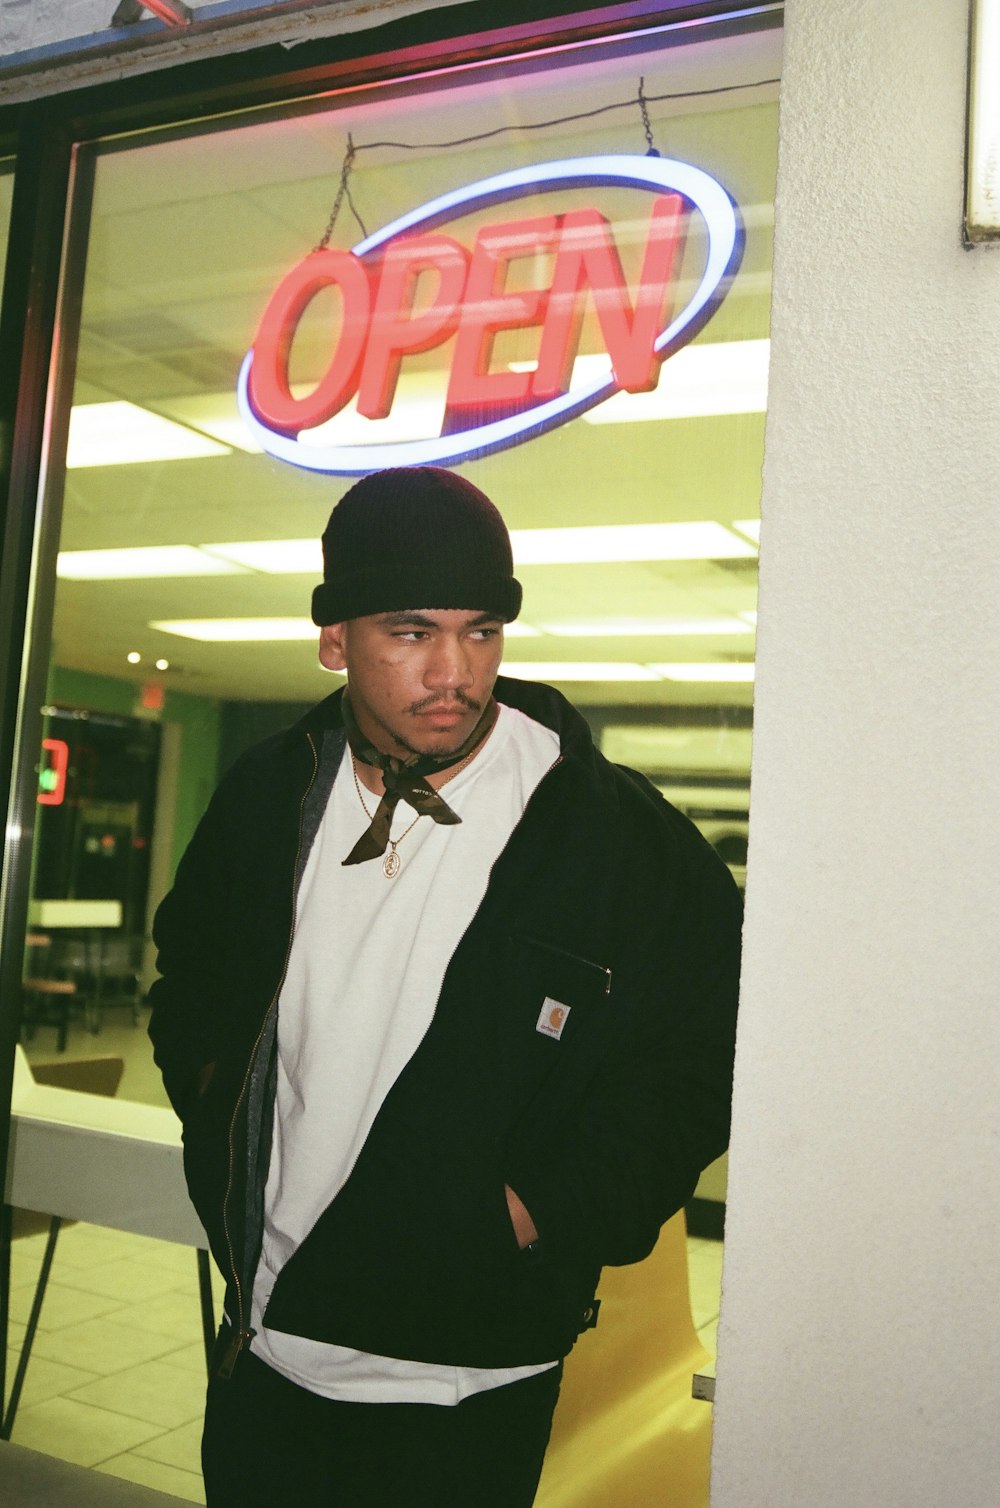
(47, 996)
(48, 1002)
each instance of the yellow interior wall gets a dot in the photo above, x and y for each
(627, 1433)
(712, 1183)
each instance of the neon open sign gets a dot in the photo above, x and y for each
(488, 408)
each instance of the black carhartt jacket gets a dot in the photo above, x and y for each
(605, 900)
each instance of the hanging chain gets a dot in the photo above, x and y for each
(342, 192)
(644, 110)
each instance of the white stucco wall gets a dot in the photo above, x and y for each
(34, 23)
(859, 1357)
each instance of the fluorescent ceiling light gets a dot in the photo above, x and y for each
(653, 747)
(238, 630)
(215, 414)
(718, 378)
(609, 542)
(275, 557)
(270, 630)
(714, 672)
(600, 628)
(687, 541)
(417, 413)
(576, 670)
(289, 557)
(721, 377)
(143, 561)
(750, 527)
(705, 540)
(116, 434)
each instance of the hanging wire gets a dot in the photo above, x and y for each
(644, 101)
(343, 191)
(354, 211)
(644, 111)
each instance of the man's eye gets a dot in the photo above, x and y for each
(487, 633)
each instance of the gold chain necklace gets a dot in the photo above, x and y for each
(391, 862)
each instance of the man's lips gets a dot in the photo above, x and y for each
(452, 713)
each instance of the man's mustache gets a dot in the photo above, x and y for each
(437, 700)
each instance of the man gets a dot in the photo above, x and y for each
(447, 1010)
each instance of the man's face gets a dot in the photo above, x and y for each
(419, 679)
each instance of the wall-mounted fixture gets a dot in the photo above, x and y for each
(982, 157)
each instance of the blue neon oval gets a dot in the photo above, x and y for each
(725, 249)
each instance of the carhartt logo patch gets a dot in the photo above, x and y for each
(552, 1018)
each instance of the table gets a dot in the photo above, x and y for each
(78, 1156)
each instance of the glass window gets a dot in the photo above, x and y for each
(189, 542)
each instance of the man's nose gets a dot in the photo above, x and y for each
(449, 665)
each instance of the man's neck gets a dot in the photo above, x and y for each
(371, 777)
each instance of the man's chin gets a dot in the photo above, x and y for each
(441, 733)
(441, 747)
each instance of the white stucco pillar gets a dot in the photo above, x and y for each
(859, 1355)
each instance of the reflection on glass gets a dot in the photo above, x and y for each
(181, 629)
(6, 198)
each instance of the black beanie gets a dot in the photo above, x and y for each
(415, 537)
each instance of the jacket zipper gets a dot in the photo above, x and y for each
(243, 1334)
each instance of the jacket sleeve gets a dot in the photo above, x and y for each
(657, 1111)
(190, 931)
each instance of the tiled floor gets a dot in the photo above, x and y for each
(117, 1374)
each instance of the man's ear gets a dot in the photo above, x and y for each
(333, 646)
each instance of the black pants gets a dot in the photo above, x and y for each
(269, 1443)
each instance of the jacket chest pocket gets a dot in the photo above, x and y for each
(563, 999)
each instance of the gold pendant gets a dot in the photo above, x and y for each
(391, 864)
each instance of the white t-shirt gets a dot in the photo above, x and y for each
(366, 967)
